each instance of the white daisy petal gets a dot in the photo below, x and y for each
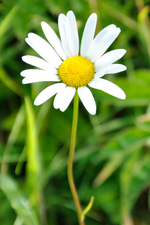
(53, 40)
(63, 98)
(116, 68)
(29, 42)
(100, 73)
(48, 92)
(87, 99)
(62, 31)
(40, 63)
(40, 78)
(111, 69)
(100, 45)
(109, 58)
(58, 98)
(104, 31)
(72, 33)
(98, 38)
(35, 72)
(45, 50)
(108, 87)
(88, 34)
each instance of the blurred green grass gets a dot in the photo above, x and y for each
(112, 160)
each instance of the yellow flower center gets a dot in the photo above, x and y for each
(76, 71)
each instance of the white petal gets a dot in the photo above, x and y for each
(116, 68)
(62, 31)
(87, 99)
(39, 78)
(53, 40)
(72, 33)
(29, 42)
(109, 58)
(40, 63)
(45, 50)
(101, 44)
(35, 72)
(111, 69)
(108, 87)
(98, 37)
(48, 93)
(88, 34)
(63, 98)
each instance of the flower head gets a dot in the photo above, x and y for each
(70, 70)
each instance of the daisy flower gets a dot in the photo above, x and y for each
(72, 69)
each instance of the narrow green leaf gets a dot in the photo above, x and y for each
(12, 138)
(19, 203)
(9, 82)
(117, 149)
(33, 160)
(134, 178)
(5, 24)
(119, 15)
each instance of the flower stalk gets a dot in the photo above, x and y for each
(70, 160)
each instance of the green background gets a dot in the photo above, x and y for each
(112, 160)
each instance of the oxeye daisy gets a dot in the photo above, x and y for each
(74, 69)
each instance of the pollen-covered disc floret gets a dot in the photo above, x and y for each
(76, 71)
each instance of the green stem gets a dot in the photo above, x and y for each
(70, 160)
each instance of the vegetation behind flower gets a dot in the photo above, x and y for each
(112, 154)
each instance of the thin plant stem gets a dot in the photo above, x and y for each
(70, 160)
